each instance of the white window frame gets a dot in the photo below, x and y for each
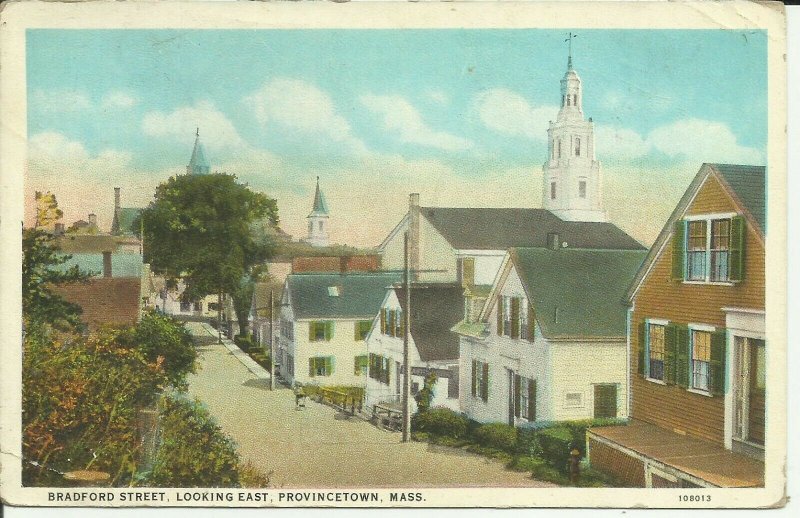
(647, 322)
(708, 218)
(707, 329)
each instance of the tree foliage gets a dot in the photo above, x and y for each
(39, 303)
(80, 398)
(199, 228)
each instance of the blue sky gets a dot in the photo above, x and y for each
(458, 115)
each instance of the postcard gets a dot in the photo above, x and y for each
(512, 254)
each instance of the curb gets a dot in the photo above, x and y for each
(244, 358)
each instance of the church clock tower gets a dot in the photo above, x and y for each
(318, 220)
(572, 185)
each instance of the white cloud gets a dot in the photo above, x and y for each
(117, 100)
(218, 133)
(439, 97)
(703, 140)
(508, 112)
(304, 108)
(619, 143)
(60, 100)
(400, 117)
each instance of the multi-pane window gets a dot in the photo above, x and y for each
(506, 307)
(524, 327)
(656, 351)
(696, 251)
(320, 331)
(524, 398)
(720, 246)
(701, 359)
(362, 328)
(379, 367)
(392, 322)
(320, 366)
(361, 365)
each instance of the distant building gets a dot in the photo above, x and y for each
(198, 163)
(324, 322)
(698, 346)
(124, 217)
(318, 220)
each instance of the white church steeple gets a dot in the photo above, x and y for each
(572, 186)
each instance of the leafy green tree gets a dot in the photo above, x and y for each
(40, 255)
(199, 228)
(425, 395)
(161, 338)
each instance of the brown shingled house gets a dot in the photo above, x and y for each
(697, 344)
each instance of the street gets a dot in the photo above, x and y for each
(319, 447)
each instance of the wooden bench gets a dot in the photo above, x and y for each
(387, 418)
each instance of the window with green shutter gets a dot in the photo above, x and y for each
(682, 355)
(360, 365)
(361, 329)
(679, 251)
(642, 350)
(717, 362)
(320, 331)
(515, 321)
(736, 260)
(517, 395)
(320, 366)
(709, 250)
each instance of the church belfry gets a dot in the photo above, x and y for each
(318, 220)
(198, 163)
(572, 185)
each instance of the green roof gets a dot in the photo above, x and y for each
(122, 265)
(578, 293)
(351, 295)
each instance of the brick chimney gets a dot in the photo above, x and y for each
(413, 234)
(93, 220)
(106, 264)
(116, 199)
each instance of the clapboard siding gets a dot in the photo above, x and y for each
(672, 407)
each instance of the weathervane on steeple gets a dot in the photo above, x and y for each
(570, 37)
(197, 133)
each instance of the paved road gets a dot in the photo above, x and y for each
(317, 447)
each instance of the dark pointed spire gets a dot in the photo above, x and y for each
(198, 163)
(570, 37)
(320, 207)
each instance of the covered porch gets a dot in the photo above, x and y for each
(647, 455)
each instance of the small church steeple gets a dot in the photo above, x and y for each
(572, 187)
(198, 163)
(318, 220)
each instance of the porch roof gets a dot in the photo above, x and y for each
(701, 459)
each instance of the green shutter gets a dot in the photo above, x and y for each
(383, 321)
(311, 370)
(531, 400)
(679, 251)
(515, 317)
(642, 346)
(517, 383)
(328, 331)
(312, 331)
(736, 259)
(531, 322)
(670, 353)
(357, 331)
(474, 375)
(717, 367)
(485, 385)
(682, 363)
(329, 363)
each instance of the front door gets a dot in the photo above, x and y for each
(749, 392)
(605, 400)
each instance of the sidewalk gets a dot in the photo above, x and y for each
(202, 328)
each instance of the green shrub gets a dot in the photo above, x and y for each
(440, 421)
(500, 436)
(526, 463)
(244, 342)
(194, 451)
(578, 431)
(547, 473)
(555, 444)
(527, 442)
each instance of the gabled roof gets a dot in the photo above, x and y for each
(501, 229)
(260, 305)
(745, 184)
(198, 163)
(359, 294)
(577, 293)
(91, 243)
(435, 308)
(320, 207)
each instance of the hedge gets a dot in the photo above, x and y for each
(555, 445)
(500, 436)
(440, 421)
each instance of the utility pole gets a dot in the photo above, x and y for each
(219, 317)
(271, 340)
(406, 334)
